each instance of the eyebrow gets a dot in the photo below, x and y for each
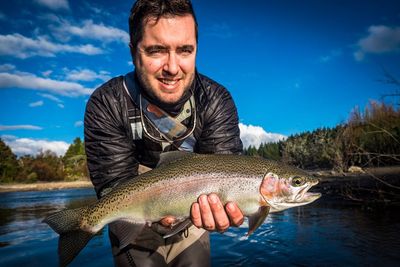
(162, 47)
(184, 47)
(152, 47)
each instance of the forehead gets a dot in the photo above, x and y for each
(169, 30)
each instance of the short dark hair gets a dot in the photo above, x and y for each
(145, 9)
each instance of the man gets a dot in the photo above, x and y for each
(164, 105)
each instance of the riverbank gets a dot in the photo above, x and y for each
(371, 187)
(375, 183)
(43, 186)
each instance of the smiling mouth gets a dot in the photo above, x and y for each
(169, 81)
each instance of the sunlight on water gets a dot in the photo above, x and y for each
(314, 235)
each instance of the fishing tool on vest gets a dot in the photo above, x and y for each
(168, 129)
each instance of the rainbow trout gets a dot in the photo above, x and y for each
(257, 185)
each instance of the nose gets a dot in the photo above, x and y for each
(171, 66)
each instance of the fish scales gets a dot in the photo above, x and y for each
(198, 170)
(195, 170)
(257, 185)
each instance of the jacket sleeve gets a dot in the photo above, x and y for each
(109, 148)
(220, 134)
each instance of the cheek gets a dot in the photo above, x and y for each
(187, 65)
(153, 66)
(284, 187)
(149, 65)
(269, 187)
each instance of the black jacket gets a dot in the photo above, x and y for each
(112, 153)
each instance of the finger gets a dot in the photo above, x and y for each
(196, 216)
(220, 218)
(206, 215)
(168, 221)
(234, 213)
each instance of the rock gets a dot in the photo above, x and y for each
(355, 169)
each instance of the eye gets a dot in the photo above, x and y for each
(298, 181)
(156, 50)
(185, 50)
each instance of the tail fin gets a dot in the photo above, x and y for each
(72, 239)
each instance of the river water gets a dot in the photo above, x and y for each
(320, 234)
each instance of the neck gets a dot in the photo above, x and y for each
(172, 109)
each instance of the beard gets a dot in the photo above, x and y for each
(151, 91)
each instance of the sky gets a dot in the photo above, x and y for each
(291, 66)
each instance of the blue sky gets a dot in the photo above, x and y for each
(291, 66)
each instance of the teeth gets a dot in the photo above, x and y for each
(169, 82)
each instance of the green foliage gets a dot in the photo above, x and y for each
(76, 148)
(266, 150)
(75, 161)
(46, 166)
(309, 150)
(370, 138)
(8, 163)
(32, 177)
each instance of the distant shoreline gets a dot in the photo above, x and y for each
(327, 179)
(43, 186)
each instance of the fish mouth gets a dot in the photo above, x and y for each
(310, 197)
(305, 197)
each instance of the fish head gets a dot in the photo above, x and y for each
(289, 191)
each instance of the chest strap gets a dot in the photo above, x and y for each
(171, 130)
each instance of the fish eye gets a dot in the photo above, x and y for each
(298, 181)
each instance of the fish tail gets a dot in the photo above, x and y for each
(72, 238)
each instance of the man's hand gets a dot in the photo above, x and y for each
(209, 213)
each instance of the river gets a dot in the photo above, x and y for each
(320, 234)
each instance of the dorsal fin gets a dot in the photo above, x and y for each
(171, 156)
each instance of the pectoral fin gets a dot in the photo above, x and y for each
(126, 232)
(257, 218)
(178, 228)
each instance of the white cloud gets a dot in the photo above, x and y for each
(220, 30)
(36, 104)
(30, 81)
(51, 97)
(78, 124)
(47, 73)
(87, 75)
(381, 39)
(54, 4)
(90, 30)
(331, 55)
(19, 127)
(17, 45)
(7, 67)
(28, 146)
(100, 11)
(54, 99)
(256, 135)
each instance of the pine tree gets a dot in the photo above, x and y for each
(8, 163)
(75, 160)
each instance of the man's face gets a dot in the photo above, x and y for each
(165, 57)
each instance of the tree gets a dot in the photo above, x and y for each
(8, 163)
(76, 148)
(372, 138)
(75, 161)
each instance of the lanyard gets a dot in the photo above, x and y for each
(169, 128)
